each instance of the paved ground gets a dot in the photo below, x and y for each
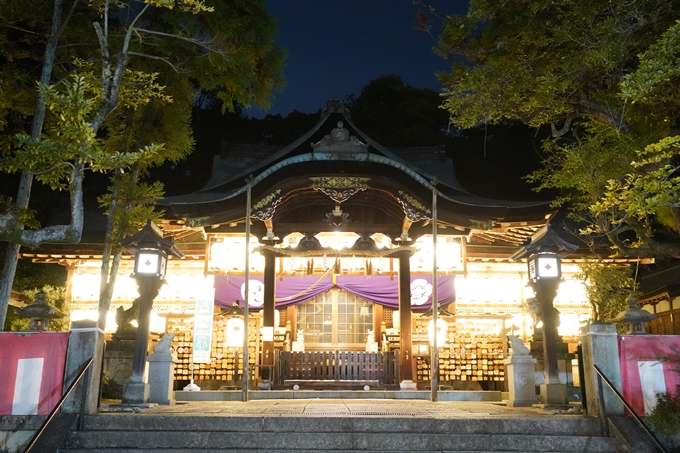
(342, 408)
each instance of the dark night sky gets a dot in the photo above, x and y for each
(335, 47)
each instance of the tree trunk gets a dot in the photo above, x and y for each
(24, 194)
(109, 275)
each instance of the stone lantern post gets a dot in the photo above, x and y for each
(545, 275)
(151, 254)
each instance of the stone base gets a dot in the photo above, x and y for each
(118, 357)
(521, 382)
(135, 393)
(407, 385)
(520, 403)
(161, 371)
(554, 395)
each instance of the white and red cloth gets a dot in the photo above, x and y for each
(31, 372)
(643, 375)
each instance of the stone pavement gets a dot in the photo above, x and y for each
(341, 408)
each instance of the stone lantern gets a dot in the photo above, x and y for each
(151, 254)
(38, 313)
(543, 255)
(634, 318)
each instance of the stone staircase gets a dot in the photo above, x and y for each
(115, 433)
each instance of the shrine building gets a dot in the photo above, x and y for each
(340, 261)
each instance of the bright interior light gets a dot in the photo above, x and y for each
(571, 292)
(570, 325)
(227, 253)
(267, 333)
(234, 332)
(442, 328)
(488, 289)
(337, 240)
(156, 323)
(448, 253)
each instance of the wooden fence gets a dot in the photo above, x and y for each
(376, 368)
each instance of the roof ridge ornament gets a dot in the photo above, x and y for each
(340, 142)
(335, 105)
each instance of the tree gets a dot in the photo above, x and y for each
(599, 76)
(232, 52)
(607, 288)
(397, 114)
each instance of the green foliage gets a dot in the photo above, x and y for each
(32, 275)
(135, 206)
(665, 418)
(55, 297)
(106, 123)
(69, 139)
(654, 186)
(658, 71)
(602, 76)
(26, 216)
(607, 288)
(583, 169)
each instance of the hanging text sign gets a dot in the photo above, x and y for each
(203, 328)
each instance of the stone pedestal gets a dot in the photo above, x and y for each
(161, 371)
(408, 385)
(521, 382)
(553, 395)
(600, 347)
(118, 356)
(86, 341)
(563, 360)
(135, 393)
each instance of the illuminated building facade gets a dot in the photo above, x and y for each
(341, 252)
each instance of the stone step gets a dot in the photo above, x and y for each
(199, 450)
(340, 435)
(579, 426)
(166, 441)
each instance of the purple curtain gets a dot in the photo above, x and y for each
(382, 290)
(379, 289)
(229, 289)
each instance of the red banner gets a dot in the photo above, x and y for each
(32, 372)
(643, 375)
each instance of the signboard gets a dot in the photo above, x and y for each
(643, 373)
(32, 369)
(203, 320)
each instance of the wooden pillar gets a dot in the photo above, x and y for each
(378, 316)
(268, 315)
(405, 346)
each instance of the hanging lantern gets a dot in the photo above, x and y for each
(234, 332)
(442, 328)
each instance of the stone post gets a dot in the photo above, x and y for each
(600, 347)
(161, 372)
(86, 341)
(520, 372)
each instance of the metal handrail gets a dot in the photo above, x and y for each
(83, 369)
(600, 377)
